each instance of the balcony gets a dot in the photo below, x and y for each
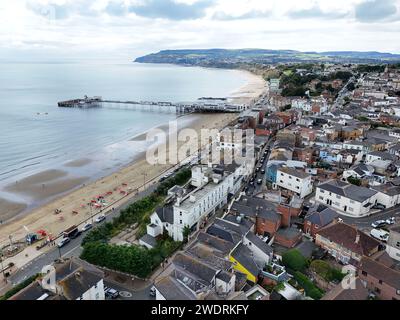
(275, 272)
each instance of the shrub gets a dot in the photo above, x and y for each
(294, 260)
(19, 287)
(311, 290)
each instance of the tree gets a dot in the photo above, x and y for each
(355, 181)
(186, 233)
(294, 260)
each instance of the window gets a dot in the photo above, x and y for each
(290, 177)
(298, 180)
(298, 187)
(380, 282)
(378, 290)
(364, 273)
(321, 198)
(351, 201)
(180, 221)
(398, 244)
(338, 197)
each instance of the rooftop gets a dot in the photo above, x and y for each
(356, 193)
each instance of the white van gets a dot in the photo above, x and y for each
(380, 234)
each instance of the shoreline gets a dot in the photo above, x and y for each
(125, 178)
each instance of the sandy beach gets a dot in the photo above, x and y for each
(74, 205)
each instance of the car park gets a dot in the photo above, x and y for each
(100, 218)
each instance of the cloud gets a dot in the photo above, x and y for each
(375, 10)
(254, 14)
(116, 8)
(169, 9)
(62, 11)
(315, 12)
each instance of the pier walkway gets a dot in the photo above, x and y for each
(202, 105)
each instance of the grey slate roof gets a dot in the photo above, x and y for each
(264, 247)
(227, 230)
(388, 189)
(195, 267)
(250, 206)
(294, 172)
(150, 240)
(76, 284)
(243, 255)
(171, 289)
(321, 215)
(356, 193)
(166, 214)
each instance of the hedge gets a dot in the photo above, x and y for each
(19, 287)
(311, 290)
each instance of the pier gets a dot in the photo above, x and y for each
(202, 105)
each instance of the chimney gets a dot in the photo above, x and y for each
(357, 238)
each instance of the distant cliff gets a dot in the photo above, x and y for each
(222, 58)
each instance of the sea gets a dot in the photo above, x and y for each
(36, 135)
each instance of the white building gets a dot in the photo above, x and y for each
(212, 186)
(302, 104)
(387, 194)
(346, 198)
(393, 243)
(294, 180)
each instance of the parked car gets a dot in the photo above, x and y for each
(379, 206)
(258, 169)
(391, 220)
(100, 218)
(378, 224)
(380, 234)
(262, 171)
(259, 181)
(86, 227)
(63, 242)
(153, 291)
(110, 293)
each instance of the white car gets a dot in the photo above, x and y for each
(87, 227)
(100, 218)
(391, 220)
(63, 242)
(378, 224)
(380, 234)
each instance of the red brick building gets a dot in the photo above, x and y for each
(380, 279)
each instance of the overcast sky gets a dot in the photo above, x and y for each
(41, 29)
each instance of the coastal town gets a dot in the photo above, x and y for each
(316, 217)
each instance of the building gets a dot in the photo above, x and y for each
(75, 279)
(345, 243)
(379, 278)
(317, 217)
(355, 291)
(346, 198)
(393, 243)
(295, 181)
(388, 194)
(211, 188)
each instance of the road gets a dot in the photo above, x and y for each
(257, 188)
(364, 223)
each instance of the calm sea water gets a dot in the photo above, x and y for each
(32, 142)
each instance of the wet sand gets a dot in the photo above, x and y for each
(9, 209)
(78, 163)
(74, 204)
(45, 184)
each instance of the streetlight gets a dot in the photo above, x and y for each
(144, 174)
(1, 261)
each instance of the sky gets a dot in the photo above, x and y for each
(125, 29)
